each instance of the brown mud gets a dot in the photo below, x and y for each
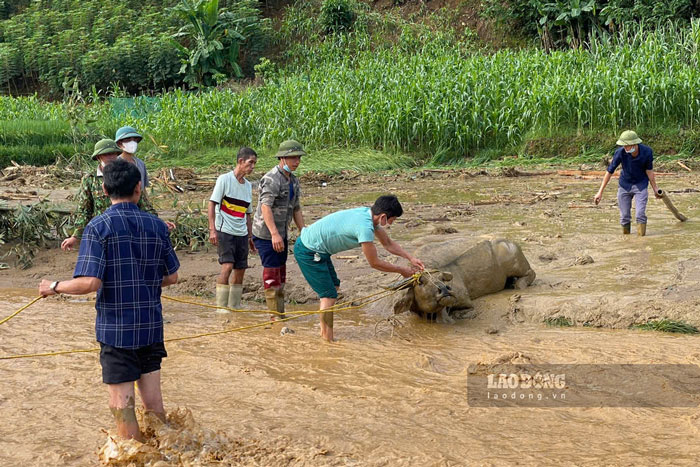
(392, 391)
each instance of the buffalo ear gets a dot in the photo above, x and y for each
(403, 301)
(446, 276)
(422, 279)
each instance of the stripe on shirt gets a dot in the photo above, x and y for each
(234, 207)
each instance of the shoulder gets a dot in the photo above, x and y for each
(156, 222)
(271, 177)
(222, 178)
(101, 224)
(646, 150)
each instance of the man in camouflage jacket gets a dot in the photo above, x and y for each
(278, 205)
(92, 201)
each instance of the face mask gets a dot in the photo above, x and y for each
(632, 151)
(286, 167)
(130, 147)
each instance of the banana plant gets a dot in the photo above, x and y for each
(211, 42)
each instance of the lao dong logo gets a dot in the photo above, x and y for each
(526, 381)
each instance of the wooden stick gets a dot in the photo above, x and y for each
(671, 207)
(684, 166)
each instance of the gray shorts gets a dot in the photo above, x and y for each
(232, 249)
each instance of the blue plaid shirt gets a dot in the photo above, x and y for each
(129, 250)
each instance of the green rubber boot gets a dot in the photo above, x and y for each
(641, 230)
(271, 300)
(234, 297)
(222, 293)
(625, 229)
(280, 301)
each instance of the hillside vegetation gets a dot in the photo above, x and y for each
(351, 82)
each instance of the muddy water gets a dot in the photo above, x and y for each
(370, 399)
(378, 399)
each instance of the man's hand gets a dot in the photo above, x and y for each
(405, 272)
(251, 245)
(170, 225)
(212, 237)
(69, 243)
(45, 287)
(277, 243)
(417, 263)
(598, 197)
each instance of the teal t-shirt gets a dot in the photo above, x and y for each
(340, 231)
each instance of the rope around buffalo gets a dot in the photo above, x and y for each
(346, 306)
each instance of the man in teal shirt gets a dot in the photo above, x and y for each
(344, 230)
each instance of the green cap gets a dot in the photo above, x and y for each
(105, 146)
(628, 138)
(290, 148)
(127, 132)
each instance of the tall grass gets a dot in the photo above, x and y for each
(439, 100)
(445, 101)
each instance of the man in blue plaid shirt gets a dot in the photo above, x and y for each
(126, 256)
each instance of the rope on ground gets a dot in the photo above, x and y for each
(295, 314)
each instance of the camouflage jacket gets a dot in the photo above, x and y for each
(282, 195)
(92, 202)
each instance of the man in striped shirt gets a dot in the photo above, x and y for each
(229, 213)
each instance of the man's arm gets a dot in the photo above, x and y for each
(249, 224)
(78, 286)
(299, 218)
(211, 214)
(616, 160)
(85, 212)
(599, 195)
(652, 181)
(269, 189)
(370, 252)
(269, 218)
(169, 280)
(394, 248)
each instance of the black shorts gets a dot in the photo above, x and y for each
(125, 365)
(232, 249)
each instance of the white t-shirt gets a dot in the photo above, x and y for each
(233, 203)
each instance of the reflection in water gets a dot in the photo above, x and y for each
(369, 399)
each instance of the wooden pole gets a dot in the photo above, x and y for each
(671, 207)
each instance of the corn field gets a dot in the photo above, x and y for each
(442, 100)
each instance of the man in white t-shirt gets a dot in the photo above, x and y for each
(230, 217)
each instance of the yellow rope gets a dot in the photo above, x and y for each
(174, 339)
(206, 305)
(296, 314)
(21, 309)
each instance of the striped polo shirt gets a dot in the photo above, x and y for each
(233, 203)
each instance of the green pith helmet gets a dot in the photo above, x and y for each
(105, 146)
(628, 138)
(127, 132)
(290, 148)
